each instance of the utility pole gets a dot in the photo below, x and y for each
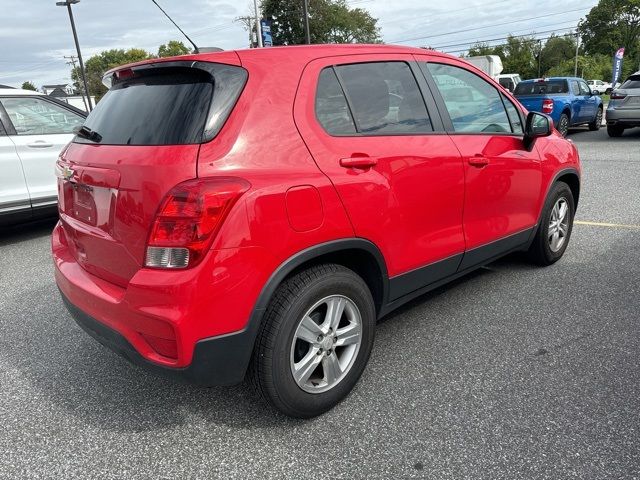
(305, 13)
(68, 3)
(72, 61)
(575, 73)
(258, 26)
(539, 56)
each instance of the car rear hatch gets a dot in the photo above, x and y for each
(141, 140)
(627, 96)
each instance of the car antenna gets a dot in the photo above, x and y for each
(195, 47)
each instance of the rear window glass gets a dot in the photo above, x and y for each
(542, 88)
(632, 82)
(166, 106)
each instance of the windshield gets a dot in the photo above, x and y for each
(542, 87)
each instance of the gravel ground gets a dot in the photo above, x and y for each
(511, 372)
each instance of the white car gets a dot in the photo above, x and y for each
(599, 87)
(33, 130)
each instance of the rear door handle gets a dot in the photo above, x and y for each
(358, 162)
(39, 144)
(478, 161)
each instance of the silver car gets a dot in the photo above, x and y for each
(624, 107)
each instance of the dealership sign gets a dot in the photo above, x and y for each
(617, 66)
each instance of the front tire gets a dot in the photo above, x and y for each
(563, 124)
(615, 130)
(597, 122)
(315, 341)
(556, 224)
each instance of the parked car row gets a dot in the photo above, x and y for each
(33, 130)
(571, 101)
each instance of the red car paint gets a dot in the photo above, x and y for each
(419, 199)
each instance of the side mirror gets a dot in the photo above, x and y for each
(537, 125)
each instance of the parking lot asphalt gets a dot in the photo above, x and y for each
(512, 372)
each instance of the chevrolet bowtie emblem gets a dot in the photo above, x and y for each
(67, 173)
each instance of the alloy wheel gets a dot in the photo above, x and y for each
(558, 224)
(326, 344)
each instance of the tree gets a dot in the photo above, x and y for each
(610, 25)
(29, 86)
(556, 51)
(172, 49)
(330, 21)
(97, 65)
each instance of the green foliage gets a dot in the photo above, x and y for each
(556, 51)
(330, 21)
(589, 67)
(610, 25)
(29, 86)
(97, 65)
(172, 49)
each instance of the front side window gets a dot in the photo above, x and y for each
(514, 116)
(35, 116)
(474, 105)
(380, 98)
(584, 88)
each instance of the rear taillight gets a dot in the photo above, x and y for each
(547, 106)
(617, 96)
(188, 219)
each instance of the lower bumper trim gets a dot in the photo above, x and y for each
(221, 360)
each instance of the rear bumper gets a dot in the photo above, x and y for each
(627, 117)
(193, 323)
(216, 361)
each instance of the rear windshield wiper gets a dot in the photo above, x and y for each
(85, 132)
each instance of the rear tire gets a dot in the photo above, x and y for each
(563, 124)
(556, 224)
(615, 130)
(597, 122)
(288, 347)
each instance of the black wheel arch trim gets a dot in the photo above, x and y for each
(561, 173)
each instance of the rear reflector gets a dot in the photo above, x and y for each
(547, 106)
(189, 218)
(164, 346)
(167, 257)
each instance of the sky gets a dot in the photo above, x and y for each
(36, 34)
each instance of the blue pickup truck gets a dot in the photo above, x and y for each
(568, 100)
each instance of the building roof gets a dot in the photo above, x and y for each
(58, 92)
(57, 85)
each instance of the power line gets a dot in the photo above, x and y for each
(499, 44)
(489, 26)
(476, 41)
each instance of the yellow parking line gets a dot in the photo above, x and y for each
(604, 224)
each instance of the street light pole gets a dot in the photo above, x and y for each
(68, 4)
(305, 12)
(258, 26)
(575, 73)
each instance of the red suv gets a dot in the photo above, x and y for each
(256, 211)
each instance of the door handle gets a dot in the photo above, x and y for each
(478, 161)
(39, 144)
(358, 162)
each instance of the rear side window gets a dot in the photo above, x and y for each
(165, 106)
(542, 87)
(380, 98)
(35, 116)
(632, 82)
(332, 110)
(474, 105)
